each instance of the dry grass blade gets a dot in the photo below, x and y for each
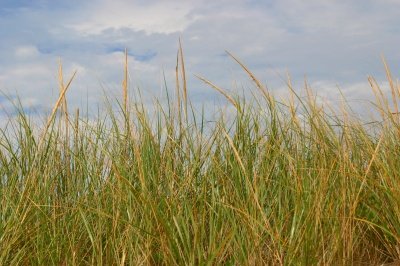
(76, 129)
(183, 73)
(379, 98)
(61, 86)
(53, 112)
(125, 82)
(236, 153)
(262, 88)
(364, 180)
(393, 88)
(229, 98)
(178, 89)
(64, 112)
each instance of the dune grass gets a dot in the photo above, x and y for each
(292, 183)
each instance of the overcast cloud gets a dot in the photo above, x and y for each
(331, 42)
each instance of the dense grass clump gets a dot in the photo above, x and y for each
(280, 184)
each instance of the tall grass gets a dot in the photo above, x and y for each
(292, 183)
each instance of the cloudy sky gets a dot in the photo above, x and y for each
(332, 43)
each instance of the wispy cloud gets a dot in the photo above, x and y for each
(151, 17)
(28, 51)
(139, 56)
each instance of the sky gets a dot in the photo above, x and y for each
(330, 43)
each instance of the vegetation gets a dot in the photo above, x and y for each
(293, 183)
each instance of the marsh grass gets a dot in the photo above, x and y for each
(291, 183)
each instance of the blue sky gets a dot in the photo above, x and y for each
(332, 43)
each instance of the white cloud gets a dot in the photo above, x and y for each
(161, 17)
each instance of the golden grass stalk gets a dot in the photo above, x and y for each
(64, 110)
(53, 112)
(178, 89)
(379, 97)
(183, 73)
(227, 96)
(61, 87)
(259, 85)
(125, 82)
(76, 128)
(394, 90)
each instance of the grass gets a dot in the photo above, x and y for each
(291, 183)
